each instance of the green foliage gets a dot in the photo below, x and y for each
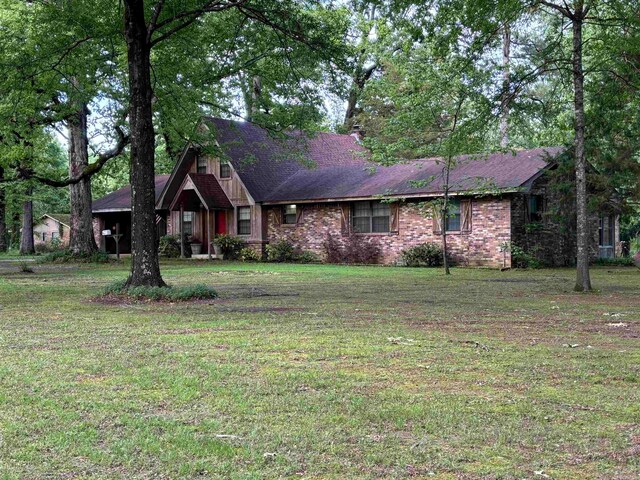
(354, 249)
(230, 245)
(248, 255)
(533, 227)
(48, 247)
(424, 255)
(615, 262)
(520, 258)
(25, 267)
(167, 294)
(280, 251)
(169, 246)
(307, 256)
(66, 256)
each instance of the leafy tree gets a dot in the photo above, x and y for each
(429, 103)
(149, 28)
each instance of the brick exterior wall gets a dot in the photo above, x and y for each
(491, 226)
(552, 241)
(98, 226)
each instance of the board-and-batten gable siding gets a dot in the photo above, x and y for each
(237, 194)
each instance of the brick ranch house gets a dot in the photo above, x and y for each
(305, 189)
(54, 227)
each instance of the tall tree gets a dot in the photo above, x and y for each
(429, 103)
(27, 246)
(166, 20)
(62, 58)
(3, 214)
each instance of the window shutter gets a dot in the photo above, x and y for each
(345, 211)
(465, 213)
(527, 215)
(299, 213)
(437, 221)
(394, 221)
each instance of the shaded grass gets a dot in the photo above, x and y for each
(341, 372)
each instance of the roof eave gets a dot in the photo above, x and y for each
(466, 193)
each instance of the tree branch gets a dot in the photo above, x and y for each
(27, 173)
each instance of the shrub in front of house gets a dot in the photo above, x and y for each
(48, 247)
(615, 262)
(66, 256)
(169, 246)
(520, 258)
(249, 255)
(424, 255)
(280, 251)
(355, 249)
(159, 294)
(230, 246)
(307, 256)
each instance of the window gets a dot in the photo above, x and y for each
(606, 237)
(452, 222)
(244, 220)
(187, 223)
(370, 217)
(535, 208)
(201, 165)
(606, 231)
(54, 235)
(44, 236)
(225, 169)
(290, 216)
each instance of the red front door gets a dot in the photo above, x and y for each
(221, 222)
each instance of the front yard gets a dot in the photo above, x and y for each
(321, 372)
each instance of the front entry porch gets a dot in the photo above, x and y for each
(200, 211)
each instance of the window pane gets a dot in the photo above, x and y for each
(244, 221)
(225, 170)
(380, 209)
(244, 213)
(362, 209)
(453, 222)
(380, 224)
(201, 166)
(361, 224)
(290, 209)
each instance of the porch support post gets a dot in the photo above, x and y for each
(181, 231)
(209, 239)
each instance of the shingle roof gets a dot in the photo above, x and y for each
(63, 218)
(335, 166)
(264, 162)
(211, 191)
(121, 199)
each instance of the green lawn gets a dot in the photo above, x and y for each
(321, 372)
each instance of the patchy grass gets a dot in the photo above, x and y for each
(312, 371)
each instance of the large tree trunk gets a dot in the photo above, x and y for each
(145, 265)
(26, 239)
(445, 215)
(506, 81)
(583, 281)
(81, 240)
(3, 213)
(252, 97)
